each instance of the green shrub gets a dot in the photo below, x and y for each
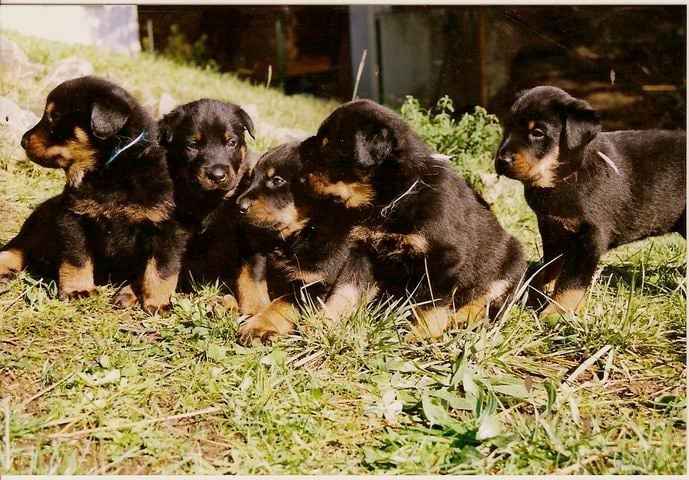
(471, 142)
(195, 54)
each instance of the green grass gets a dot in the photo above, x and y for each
(89, 389)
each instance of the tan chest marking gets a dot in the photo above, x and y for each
(131, 211)
(392, 244)
(355, 194)
(569, 224)
(542, 172)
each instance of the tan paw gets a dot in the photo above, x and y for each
(157, 309)
(125, 297)
(230, 303)
(11, 263)
(68, 295)
(566, 301)
(257, 331)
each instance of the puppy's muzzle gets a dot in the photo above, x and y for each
(217, 173)
(25, 140)
(503, 163)
(244, 205)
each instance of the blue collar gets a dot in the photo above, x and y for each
(117, 150)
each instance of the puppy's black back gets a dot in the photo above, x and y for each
(652, 164)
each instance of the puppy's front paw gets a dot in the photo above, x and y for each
(157, 309)
(125, 297)
(564, 302)
(11, 262)
(257, 331)
(69, 294)
(76, 282)
(229, 302)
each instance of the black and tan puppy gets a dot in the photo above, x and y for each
(114, 219)
(306, 246)
(591, 191)
(208, 158)
(421, 227)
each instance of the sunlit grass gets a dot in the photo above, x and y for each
(89, 389)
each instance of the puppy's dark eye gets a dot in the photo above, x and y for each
(537, 133)
(231, 143)
(275, 182)
(193, 146)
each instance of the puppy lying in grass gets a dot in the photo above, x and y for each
(591, 191)
(114, 220)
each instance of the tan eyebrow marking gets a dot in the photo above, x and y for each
(226, 136)
(532, 124)
(50, 107)
(325, 141)
(270, 172)
(198, 136)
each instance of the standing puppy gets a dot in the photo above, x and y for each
(423, 230)
(114, 219)
(591, 191)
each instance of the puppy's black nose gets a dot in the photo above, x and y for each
(25, 141)
(244, 205)
(502, 162)
(217, 173)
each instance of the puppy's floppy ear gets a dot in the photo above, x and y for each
(518, 94)
(167, 126)
(581, 124)
(109, 115)
(370, 149)
(248, 123)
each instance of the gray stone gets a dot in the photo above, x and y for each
(67, 69)
(280, 134)
(494, 186)
(14, 121)
(14, 62)
(252, 110)
(166, 104)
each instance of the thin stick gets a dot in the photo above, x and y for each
(89, 431)
(6, 436)
(107, 466)
(47, 389)
(358, 73)
(578, 465)
(581, 368)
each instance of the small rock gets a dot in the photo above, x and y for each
(14, 62)
(252, 110)
(14, 121)
(166, 104)
(67, 69)
(494, 186)
(282, 135)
